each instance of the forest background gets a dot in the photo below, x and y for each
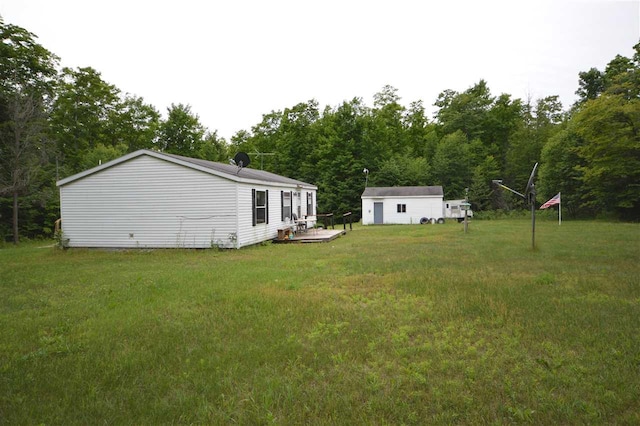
(55, 122)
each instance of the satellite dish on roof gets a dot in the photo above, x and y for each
(241, 160)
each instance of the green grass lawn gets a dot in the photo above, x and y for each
(386, 325)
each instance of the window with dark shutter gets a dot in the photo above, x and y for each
(253, 206)
(285, 198)
(310, 203)
(260, 207)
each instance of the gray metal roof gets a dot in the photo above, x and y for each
(225, 170)
(403, 191)
(245, 173)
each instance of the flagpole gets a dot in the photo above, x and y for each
(560, 208)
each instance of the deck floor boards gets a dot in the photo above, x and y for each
(314, 236)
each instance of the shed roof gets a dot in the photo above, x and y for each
(403, 191)
(227, 171)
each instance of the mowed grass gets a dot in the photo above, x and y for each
(386, 325)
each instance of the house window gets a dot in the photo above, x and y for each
(402, 208)
(286, 205)
(310, 203)
(260, 206)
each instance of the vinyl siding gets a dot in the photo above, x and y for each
(417, 208)
(249, 234)
(148, 202)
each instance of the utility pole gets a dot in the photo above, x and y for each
(466, 207)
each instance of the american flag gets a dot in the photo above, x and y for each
(552, 202)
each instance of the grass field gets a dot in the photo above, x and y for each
(386, 325)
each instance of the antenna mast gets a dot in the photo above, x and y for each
(261, 155)
(529, 198)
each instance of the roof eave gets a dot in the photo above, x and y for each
(101, 167)
(174, 160)
(400, 196)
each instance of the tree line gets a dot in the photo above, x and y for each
(55, 122)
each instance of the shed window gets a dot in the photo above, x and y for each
(402, 208)
(260, 206)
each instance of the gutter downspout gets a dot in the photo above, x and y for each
(238, 216)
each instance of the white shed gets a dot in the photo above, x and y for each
(149, 199)
(401, 204)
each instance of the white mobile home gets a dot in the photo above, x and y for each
(401, 205)
(148, 199)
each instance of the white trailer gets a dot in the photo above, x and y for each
(454, 209)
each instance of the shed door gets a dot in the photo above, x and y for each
(377, 214)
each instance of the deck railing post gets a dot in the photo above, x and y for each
(328, 220)
(344, 221)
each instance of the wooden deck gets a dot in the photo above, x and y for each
(314, 236)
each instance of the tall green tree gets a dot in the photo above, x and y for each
(618, 66)
(600, 148)
(502, 121)
(402, 170)
(295, 140)
(135, 124)
(27, 80)
(527, 142)
(481, 191)
(451, 167)
(416, 128)
(466, 112)
(181, 133)
(623, 76)
(214, 148)
(100, 154)
(341, 154)
(560, 170)
(83, 115)
(261, 142)
(386, 131)
(590, 85)
(610, 129)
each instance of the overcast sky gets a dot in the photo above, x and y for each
(235, 60)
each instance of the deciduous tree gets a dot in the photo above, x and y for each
(451, 167)
(181, 133)
(135, 124)
(27, 79)
(590, 85)
(214, 148)
(559, 170)
(83, 115)
(610, 129)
